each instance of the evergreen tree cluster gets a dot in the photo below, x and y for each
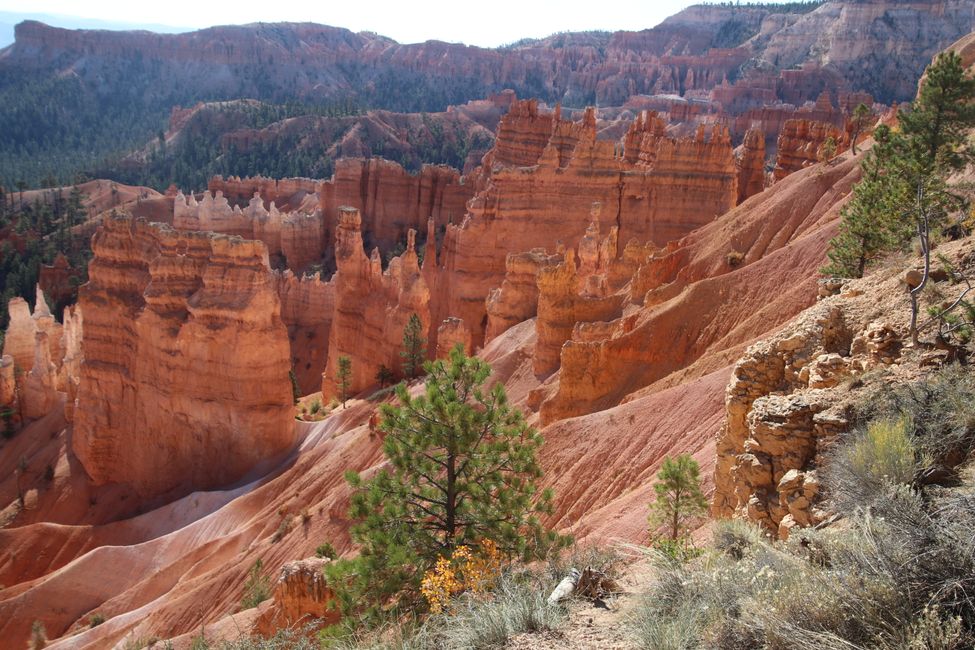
(63, 126)
(33, 233)
(905, 193)
(215, 141)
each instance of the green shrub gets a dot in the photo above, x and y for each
(899, 573)
(885, 452)
(477, 622)
(326, 550)
(257, 588)
(95, 620)
(283, 528)
(934, 417)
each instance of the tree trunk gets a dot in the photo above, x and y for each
(450, 509)
(924, 237)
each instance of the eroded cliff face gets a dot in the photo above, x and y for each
(705, 293)
(539, 190)
(307, 305)
(302, 600)
(801, 144)
(296, 238)
(372, 306)
(184, 383)
(653, 373)
(40, 367)
(877, 46)
(792, 394)
(391, 201)
(516, 300)
(751, 165)
(296, 217)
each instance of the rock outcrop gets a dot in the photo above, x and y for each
(654, 189)
(32, 388)
(774, 433)
(8, 384)
(307, 305)
(391, 201)
(751, 165)
(801, 145)
(302, 600)
(69, 374)
(793, 393)
(18, 341)
(680, 306)
(451, 333)
(570, 294)
(288, 193)
(39, 395)
(516, 300)
(297, 237)
(184, 383)
(372, 306)
(59, 280)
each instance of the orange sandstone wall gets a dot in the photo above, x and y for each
(372, 307)
(655, 188)
(307, 305)
(184, 383)
(390, 200)
(800, 144)
(751, 165)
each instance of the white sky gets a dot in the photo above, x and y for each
(487, 23)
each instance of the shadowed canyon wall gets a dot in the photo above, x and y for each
(185, 379)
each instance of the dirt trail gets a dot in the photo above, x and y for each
(596, 627)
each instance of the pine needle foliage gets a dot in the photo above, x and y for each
(414, 350)
(679, 497)
(462, 471)
(870, 227)
(343, 378)
(905, 191)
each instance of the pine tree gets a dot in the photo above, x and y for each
(934, 144)
(384, 376)
(905, 190)
(870, 225)
(462, 470)
(860, 116)
(295, 391)
(679, 497)
(413, 351)
(828, 149)
(343, 378)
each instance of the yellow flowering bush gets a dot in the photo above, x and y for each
(464, 571)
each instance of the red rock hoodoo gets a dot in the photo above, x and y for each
(184, 383)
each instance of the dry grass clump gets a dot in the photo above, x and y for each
(287, 639)
(478, 621)
(735, 258)
(899, 572)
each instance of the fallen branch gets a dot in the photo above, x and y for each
(590, 583)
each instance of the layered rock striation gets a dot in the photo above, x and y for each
(680, 306)
(391, 201)
(802, 143)
(540, 190)
(297, 237)
(372, 306)
(184, 383)
(307, 305)
(750, 161)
